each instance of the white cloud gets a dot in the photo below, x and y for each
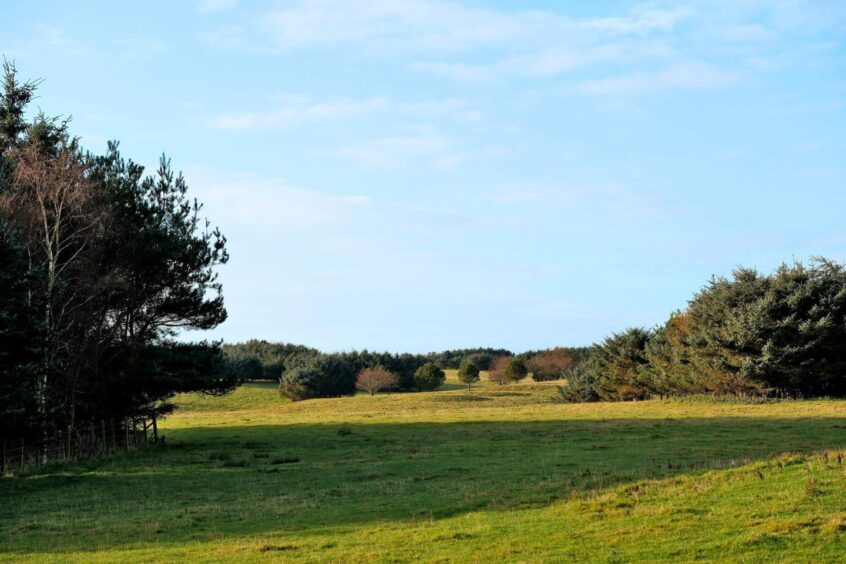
(296, 114)
(254, 202)
(428, 26)
(641, 20)
(683, 76)
(392, 151)
(298, 109)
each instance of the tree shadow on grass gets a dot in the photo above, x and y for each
(235, 481)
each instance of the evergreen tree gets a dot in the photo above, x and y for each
(468, 373)
(429, 377)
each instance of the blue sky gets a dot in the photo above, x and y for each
(418, 175)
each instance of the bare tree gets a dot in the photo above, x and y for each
(374, 379)
(496, 373)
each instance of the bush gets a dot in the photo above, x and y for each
(551, 364)
(429, 377)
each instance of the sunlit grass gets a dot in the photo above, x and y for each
(499, 473)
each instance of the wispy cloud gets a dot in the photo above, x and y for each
(683, 76)
(392, 151)
(297, 109)
(297, 114)
(431, 26)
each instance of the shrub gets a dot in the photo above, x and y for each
(429, 377)
(374, 379)
(551, 364)
(468, 373)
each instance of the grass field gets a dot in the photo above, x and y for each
(499, 474)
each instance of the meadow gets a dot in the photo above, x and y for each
(502, 473)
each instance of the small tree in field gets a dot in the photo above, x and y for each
(496, 372)
(516, 370)
(374, 379)
(468, 373)
(429, 377)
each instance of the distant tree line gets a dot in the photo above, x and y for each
(779, 335)
(305, 372)
(101, 265)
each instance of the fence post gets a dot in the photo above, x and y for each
(145, 432)
(103, 443)
(22, 456)
(4, 457)
(126, 432)
(155, 430)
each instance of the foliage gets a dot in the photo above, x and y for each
(20, 338)
(497, 371)
(117, 262)
(271, 357)
(322, 376)
(551, 364)
(429, 377)
(751, 334)
(468, 373)
(516, 370)
(481, 357)
(375, 379)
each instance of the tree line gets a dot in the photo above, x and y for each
(781, 334)
(101, 265)
(304, 372)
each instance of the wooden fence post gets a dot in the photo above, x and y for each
(155, 430)
(126, 432)
(22, 456)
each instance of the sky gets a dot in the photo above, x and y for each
(417, 175)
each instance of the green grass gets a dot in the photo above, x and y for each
(499, 474)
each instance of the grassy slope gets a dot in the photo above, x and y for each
(499, 474)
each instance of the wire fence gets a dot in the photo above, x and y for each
(84, 443)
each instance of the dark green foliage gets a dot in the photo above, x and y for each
(19, 338)
(429, 377)
(270, 356)
(128, 264)
(613, 372)
(781, 335)
(323, 376)
(516, 370)
(468, 373)
(581, 384)
(481, 357)
(243, 368)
